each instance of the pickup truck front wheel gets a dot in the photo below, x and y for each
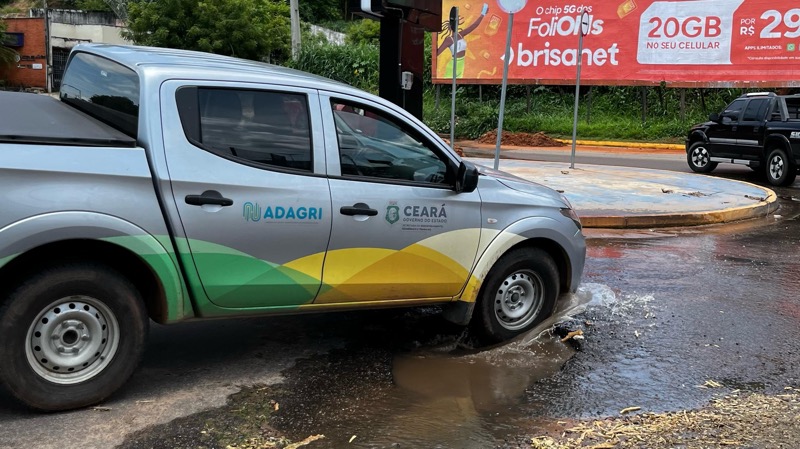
(520, 291)
(699, 158)
(71, 336)
(779, 170)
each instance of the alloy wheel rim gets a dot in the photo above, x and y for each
(776, 167)
(700, 157)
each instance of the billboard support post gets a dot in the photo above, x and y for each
(503, 92)
(584, 32)
(454, 29)
(511, 7)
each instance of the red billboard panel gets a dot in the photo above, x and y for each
(688, 43)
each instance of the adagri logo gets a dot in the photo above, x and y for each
(251, 212)
(281, 214)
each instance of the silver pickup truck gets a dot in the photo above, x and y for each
(173, 185)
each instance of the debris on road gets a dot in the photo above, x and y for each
(711, 384)
(571, 335)
(521, 139)
(629, 409)
(754, 420)
(305, 442)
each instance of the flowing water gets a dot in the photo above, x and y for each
(452, 398)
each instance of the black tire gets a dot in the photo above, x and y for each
(71, 336)
(699, 158)
(779, 169)
(502, 313)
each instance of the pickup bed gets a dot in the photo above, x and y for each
(760, 130)
(169, 185)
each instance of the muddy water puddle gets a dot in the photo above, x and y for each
(461, 398)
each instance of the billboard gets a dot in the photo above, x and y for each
(683, 43)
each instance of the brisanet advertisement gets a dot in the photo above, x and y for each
(682, 43)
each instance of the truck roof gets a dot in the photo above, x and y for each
(185, 63)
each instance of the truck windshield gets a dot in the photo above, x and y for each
(103, 89)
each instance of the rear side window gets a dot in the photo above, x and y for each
(103, 89)
(250, 126)
(793, 108)
(756, 110)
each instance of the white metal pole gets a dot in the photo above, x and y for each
(453, 93)
(294, 16)
(577, 97)
(584, 29)
(503, 92)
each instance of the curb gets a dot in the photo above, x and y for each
(762, 209)
(603, 143)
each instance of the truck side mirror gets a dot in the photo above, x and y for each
(714, 117)
(466, 178)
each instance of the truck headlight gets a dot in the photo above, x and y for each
(570, 213)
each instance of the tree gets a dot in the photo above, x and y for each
(319, 11)
(251, 29)
(7, 55)
(364, 31)
(92, 5)
(86, 5)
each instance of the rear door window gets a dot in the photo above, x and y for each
(267, 128)
(756, 110)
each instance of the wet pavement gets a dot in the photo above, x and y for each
(663, 312)
(624, 197)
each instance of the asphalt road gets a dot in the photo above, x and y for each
(669, 310)
(658, 159)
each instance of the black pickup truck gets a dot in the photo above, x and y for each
(760, 130)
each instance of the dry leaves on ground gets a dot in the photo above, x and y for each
(751, 420)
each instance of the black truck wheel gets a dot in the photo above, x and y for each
(699, 158)
(779, 169)
(519, 292)
(71, 336)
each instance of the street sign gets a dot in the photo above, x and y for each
(585, 22)
(512, 6)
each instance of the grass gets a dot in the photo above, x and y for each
(552, 112)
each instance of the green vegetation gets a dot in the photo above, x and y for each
(319, 11)
(90, 5)
(7, 55)
(615, 112)
(356, 65)
(364, 31)
(250, 29)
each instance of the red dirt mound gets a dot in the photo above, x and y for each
(521, 139)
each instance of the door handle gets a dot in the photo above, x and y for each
(208, 197)
(358, 209)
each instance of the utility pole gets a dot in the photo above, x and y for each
(47, 51)
(294, 14)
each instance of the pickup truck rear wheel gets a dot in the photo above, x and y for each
(519, 292)
(699, 158)
(72, 335)
(779, 170)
